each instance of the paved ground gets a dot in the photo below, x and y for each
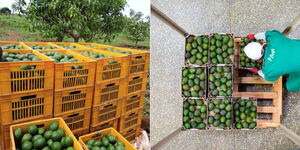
(167, 50)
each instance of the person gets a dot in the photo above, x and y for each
(280, 55)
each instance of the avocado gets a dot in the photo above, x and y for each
(27, 145)
(18, 134)
(53, 126)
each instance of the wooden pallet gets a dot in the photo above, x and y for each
(274, 95)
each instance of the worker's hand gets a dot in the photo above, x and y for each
(251, 37)
(254, 70)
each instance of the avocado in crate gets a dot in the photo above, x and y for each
(220, 114)
(51, 134)
(12, 46)
(196, 50)
(194, 114)
(194, 82)
(245, 112)
(71, 69)
(17, 57)
(108, 139)
(95, 55)
(138, 59)
(221, 49)
(220, 81)
(39, 47)
(246, 62)
(25, 71)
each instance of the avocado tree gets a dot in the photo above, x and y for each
(137, 28)
(78, 19)
(5, 11)
(19, 6)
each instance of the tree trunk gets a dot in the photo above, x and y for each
(76, 39)
(136, 42)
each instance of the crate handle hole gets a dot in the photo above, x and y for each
(135, 78)
(130, 130)
(112, 84)
(28, 97)
(73, 115)
(105, 124)
(139, 57)
(132, 114)
(134, 96)
(75, 92)
(108, 105)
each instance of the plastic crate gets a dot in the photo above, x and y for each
(94, 45)
(139, 60)
(5, 137)
(106, 112)
(68, 101)
(29, 44)
(5, 143)
(130, 119)
(109, 91)
(104, 125)
(109, 68)
(45, 123)
(26, 107)
(67, 77)
(131, 133)
(15, 80)
(77, 120)
(136, 83)
(133, 101)
(62, 44)
(81, 132)
(24, 47)
(99, 134)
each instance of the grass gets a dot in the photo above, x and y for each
(17, 27)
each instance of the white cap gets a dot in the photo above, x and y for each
(254, 50)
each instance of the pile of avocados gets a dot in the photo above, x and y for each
(48, 138)
(118, 51)
(16, 57)
(68, 47)
(194, 114)
(246, 62)
(221, 49)
(196, 50)
(12, 46)
(60, 58)
(220, 81)
(39, 47)
(220, 113)
(107, 142)
(94, 55)
(194, 82)
(244, 114)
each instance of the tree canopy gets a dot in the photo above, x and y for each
(5, 11)
(137, 27)
(78, 19)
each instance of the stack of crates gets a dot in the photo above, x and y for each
(119, 102)
(26, 93)
(73, 90)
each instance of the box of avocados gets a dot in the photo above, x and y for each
(245, 113)
(220, 81)
(194, 114)
(194, 82)
(196, 50)
(221, 49)
(244, 61)
(220, 114)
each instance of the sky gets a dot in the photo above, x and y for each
(137, 5)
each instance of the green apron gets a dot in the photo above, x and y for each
(282, 56)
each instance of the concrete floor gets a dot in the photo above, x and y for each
(241, 17)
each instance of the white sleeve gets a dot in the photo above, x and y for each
(260, 73)
(260, 36)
